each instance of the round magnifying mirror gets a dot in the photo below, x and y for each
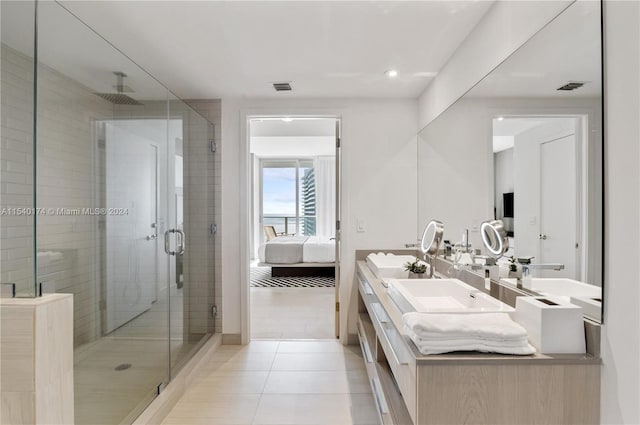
(431, 237)
(494, 237)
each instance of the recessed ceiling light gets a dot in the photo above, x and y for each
(391, 73)
(287, 119)
(500, 118)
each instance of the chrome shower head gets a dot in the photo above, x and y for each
(119, 98)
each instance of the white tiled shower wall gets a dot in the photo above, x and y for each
(69, 176)
(65, 179)
(16, 164)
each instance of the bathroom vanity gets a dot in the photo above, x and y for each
(469, 387)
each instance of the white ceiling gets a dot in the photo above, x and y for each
(210, 49)
(213, 49)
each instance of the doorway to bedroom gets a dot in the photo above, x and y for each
(293, 291)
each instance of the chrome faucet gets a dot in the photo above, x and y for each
(525, 270)
(430, 260)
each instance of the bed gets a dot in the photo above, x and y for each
(298, 256)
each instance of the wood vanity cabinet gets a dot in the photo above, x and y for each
(467, 388)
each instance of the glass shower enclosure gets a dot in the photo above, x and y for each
(100, 164)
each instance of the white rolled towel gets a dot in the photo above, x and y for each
(374, 255)
(486, 326)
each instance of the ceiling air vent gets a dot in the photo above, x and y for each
(572, 85)
(282, 86)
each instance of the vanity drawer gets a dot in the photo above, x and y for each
(367, 337)
(381, 401)
(397, 355)
(366, 292)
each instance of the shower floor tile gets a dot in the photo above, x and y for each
(104, 395)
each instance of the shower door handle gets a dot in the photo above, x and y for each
(167, 242)
(181, 241)
(180, 237)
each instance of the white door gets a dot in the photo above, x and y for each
(131, 233)
(558, 206)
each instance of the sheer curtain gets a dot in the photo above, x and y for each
(325, 171)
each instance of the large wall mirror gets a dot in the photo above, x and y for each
(525, 146)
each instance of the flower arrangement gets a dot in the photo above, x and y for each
(417, 267)
(513, 266)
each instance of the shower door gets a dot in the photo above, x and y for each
(132, 188)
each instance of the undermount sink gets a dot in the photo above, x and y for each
(386, 266)
(562, 288)
(442, 296)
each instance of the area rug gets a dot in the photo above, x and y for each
(261, 278)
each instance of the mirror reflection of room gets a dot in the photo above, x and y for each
(539, 158)
(529, 154)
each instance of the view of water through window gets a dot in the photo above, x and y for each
(286, 184)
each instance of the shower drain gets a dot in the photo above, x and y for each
(123, 366)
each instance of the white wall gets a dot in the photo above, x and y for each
(505, 27)
(379, 186)
(621, 333)
(292, 146)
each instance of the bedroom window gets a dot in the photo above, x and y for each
(289, 196)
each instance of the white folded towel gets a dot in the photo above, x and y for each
(486, 326)
(477, 346)
(485, 332)
(439, 342)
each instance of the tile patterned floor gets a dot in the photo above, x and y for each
(292, 313)
(280, 382)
